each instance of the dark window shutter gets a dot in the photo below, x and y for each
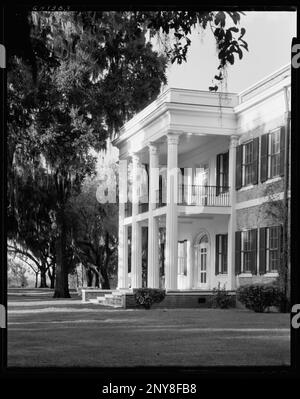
(238, 171)
(182, 186)
(280, 246)
(217, 255)
(262, 250)
(226, 168)
(282, 150)
(253, 233)
(238, 236)
(224, 253)
(160, 189)
(218, 174)
(147, 171)
(264, 157)
(255, 161)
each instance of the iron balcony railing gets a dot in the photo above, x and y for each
(160, 198)
(194, 195)
(142, 207)
(203, 195)
(128, 209)
(197, 195)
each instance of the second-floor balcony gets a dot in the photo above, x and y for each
(203, 195)
(197, 195)
(188, 195)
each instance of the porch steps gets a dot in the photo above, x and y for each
(173, 300)
(93, 300)
(115, 299)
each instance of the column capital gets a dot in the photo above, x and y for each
(173, 138)
(153, 148)
(234, 140)
(134, 157)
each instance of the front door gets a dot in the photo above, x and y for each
(200, 185)
(202, 252)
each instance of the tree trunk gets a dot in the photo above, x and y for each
(43, 283)
(97, 279)
(105, 280)
(36, 279)
(104, 269)
(89, 276)
(52, 277)
(61, 280)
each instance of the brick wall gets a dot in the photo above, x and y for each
(259, 216)
(172, 301)
(260, 190)
(255, 279)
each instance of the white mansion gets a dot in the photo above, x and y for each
(210, 222)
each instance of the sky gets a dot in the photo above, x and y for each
(269, 36)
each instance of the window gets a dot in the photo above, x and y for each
(246, 251)
(221, 253)
(182, 257)
(247, 163)
(222, 173)
(270, 249)
(272, 154)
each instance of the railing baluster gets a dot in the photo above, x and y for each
(200, 195)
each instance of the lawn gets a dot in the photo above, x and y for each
(47, 332)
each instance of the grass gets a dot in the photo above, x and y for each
(47, 332)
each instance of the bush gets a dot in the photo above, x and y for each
(147, 296)
(259, 297)
(221, 298)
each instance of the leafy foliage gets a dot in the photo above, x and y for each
(222, 299)
(259, 297)
(95, 231)
(147, 296)
(278, 211)
(16, 273)
(179, 24)
(73, 79)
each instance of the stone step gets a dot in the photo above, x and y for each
(114, 300)
(117, 293)
(93, 300)
(100, 299)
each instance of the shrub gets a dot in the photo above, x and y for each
(259, 297)
(222, 299)
(147, 296)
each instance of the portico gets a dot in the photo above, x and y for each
(170, 185)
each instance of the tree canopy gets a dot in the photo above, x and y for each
(74, 78)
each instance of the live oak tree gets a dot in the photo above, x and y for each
(95, 233)
(67, 118)
(73, 79)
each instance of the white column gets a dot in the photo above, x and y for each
(231, 284)
(136, 250)
(153, 249)
(171, 261)
(123, 230)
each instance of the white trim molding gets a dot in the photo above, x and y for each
(258, 201)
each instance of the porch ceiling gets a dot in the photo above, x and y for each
(185, 112)
(188, 144)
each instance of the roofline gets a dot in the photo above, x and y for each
(265, 79)
(170, 89)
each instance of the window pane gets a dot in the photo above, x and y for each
(273, 250)
(247, 246)
(274, 154)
